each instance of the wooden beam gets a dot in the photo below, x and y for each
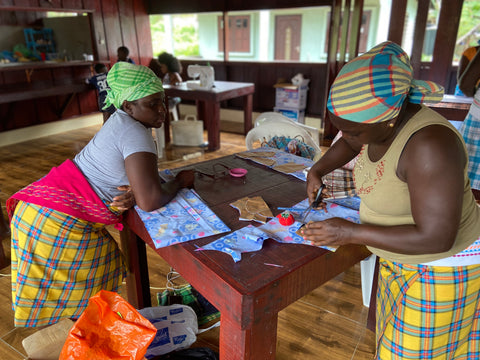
(226, 35)
(397, 21)
(419, 36)
(329, 130)
(43, 9)
(445, 41)
(344, 26)
(355, 29)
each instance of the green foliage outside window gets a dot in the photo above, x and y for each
(183, 40)
(469, 28)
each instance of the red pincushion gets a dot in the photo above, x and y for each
(286, 219)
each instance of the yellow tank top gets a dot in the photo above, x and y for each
(386, 200)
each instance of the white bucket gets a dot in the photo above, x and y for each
(187, 132)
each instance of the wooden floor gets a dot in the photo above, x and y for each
(329, 323)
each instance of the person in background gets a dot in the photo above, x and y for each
(171, 68)
(61, 252)
(470, 129)
(99, 80)
(417, 211)
(122, 55)
(465, 59)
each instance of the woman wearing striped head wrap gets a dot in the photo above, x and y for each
(61, 252)
(418, 213)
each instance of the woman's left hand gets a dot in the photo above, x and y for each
(124, 201)
(331, 232)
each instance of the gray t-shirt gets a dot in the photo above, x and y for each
(102, 160)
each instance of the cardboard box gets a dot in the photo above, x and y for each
(291, 96)
(297, 115)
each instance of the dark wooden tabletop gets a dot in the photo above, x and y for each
(249, 293)
(277, 190)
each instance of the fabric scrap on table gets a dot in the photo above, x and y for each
(257, 153)
(247, 239)
(185, 218)
(253, 208)
(250, 239)
(275, 158)
(289, 168)
(351, 202)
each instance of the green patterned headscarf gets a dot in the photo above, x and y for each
(130, 82)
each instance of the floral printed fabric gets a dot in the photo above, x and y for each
(250, 238)
(185, 218)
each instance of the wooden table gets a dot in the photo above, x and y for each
(249, 293)
(208, 105)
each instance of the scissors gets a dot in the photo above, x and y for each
(314, 204)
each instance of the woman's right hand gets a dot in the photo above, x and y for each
(314, 183)
(185, 178)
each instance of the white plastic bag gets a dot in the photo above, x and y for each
(176, 325)
(187, 132)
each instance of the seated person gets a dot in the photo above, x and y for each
(465, 59)
(62, 253)
(170, 68)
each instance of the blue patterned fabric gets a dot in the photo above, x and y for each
(250, 239)
(470, 131)
(185, 218)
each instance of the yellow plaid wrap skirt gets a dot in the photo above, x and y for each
(428, 312)
(58, 263)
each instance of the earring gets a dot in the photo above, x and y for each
(391, 125)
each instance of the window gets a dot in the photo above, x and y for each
(469, 29)
(296, 34)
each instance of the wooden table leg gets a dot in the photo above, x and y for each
(247, 113)
(372, 310)
(211, 113)
(166, 124)
(138, 282)
(255, 343)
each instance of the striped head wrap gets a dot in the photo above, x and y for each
(130, 82)
(372, 87)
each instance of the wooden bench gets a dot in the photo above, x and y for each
(29, 91)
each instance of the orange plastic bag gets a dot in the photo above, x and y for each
(109, 328)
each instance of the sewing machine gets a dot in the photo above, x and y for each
(205, 74)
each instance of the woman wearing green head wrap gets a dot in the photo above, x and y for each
(417, 212)
(61, 252)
